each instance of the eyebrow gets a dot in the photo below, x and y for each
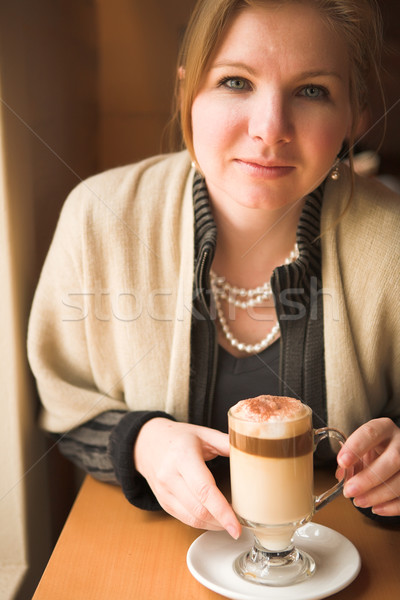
(303, 75)
(320, 73)
(234, 65)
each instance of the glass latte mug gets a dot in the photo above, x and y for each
(272, 442)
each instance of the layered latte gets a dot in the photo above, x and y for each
(271, 456)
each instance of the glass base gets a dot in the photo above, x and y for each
(275, 568)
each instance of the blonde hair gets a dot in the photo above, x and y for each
(358, 21)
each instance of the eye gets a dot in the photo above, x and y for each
(314, 92)
(235, 83)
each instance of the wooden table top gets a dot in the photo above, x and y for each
(110, 550)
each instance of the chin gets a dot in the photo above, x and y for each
(265, 200)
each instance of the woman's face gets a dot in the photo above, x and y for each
(273, 108)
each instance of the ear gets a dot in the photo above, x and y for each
(181, 73)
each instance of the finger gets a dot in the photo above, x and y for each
(340, 473)
(203, 487)
(345, 473)
(371, 477)
(385, 492)
(214, 442)
(176, 499)
(182, 505)
(388, 509)
(376, 473)
(365, 438)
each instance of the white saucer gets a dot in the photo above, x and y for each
(210, 560)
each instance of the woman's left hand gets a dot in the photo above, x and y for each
(371, 456)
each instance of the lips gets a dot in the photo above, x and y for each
(270, 169)
(260, 162)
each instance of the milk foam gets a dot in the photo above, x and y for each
(264, 409)
(271, 417)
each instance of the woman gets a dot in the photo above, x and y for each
(138, 356)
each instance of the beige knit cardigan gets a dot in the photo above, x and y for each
(110, 322)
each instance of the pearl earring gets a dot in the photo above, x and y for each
(335, 174)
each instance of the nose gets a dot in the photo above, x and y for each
(270, 120)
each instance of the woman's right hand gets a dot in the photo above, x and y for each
(171, 456)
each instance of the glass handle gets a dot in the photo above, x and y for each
(319, 435)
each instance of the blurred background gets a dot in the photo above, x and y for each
(85, 85)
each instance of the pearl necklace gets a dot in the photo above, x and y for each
(244, 298)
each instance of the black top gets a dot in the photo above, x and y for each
(245, 377)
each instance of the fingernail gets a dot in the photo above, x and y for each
(358, 503)
(344, 460)
(379, 510)
(233, 531)
(339, 473)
